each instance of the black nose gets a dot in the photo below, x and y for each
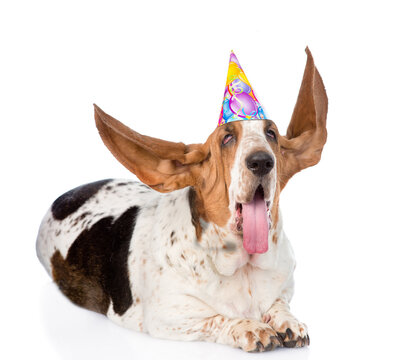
(260, 163)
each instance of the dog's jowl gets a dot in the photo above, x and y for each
(197, 250)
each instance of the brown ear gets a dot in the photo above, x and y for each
(163, 165)
(306, 135)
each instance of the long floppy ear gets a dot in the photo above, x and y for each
(163, 165)
(306, 135)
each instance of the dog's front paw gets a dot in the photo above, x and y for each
(254, 336)
(292, 332)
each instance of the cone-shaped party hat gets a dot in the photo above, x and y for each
(240, 102)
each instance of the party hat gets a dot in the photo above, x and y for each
(240, 102)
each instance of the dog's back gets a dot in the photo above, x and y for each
(84, 239)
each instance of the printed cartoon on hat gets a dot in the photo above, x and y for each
(240, 102)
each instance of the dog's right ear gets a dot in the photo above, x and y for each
(163, 165)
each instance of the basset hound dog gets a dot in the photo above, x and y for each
(196, 250)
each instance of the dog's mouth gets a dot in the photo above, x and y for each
(253, 220)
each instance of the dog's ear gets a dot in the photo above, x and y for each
(163, 165)
(306, 135)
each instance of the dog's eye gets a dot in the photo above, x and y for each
(270, 133)
(227, 139)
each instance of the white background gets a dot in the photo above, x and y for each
(160, 67)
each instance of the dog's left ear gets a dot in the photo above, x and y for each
(163, 165)
(306, 135)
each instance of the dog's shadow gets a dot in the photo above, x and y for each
(76, 333)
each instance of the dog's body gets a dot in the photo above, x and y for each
(174, 281)
(175, 265)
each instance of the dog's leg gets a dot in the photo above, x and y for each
(249, 335)
(292, 332)
(194, 320)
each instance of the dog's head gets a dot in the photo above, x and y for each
(238, 173)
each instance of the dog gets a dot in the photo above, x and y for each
(168, 256)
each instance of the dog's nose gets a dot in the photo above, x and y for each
(260, 163)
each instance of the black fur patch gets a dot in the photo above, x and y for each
(98, 260)
(72, 200)
(195, 218)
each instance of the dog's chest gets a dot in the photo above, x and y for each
(166, 258)
(247, 293)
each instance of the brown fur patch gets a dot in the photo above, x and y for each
(81, 288)
(250, 337)
(212, 193)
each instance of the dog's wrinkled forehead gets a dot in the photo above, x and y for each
(254, 136)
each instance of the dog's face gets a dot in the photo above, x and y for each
(253, 191)
(236, 183)
(239, 171)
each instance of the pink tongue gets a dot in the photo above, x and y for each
(255, 225)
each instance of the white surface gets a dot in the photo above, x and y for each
(160, 67)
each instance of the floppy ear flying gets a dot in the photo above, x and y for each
(163, 165)
(306, 135)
